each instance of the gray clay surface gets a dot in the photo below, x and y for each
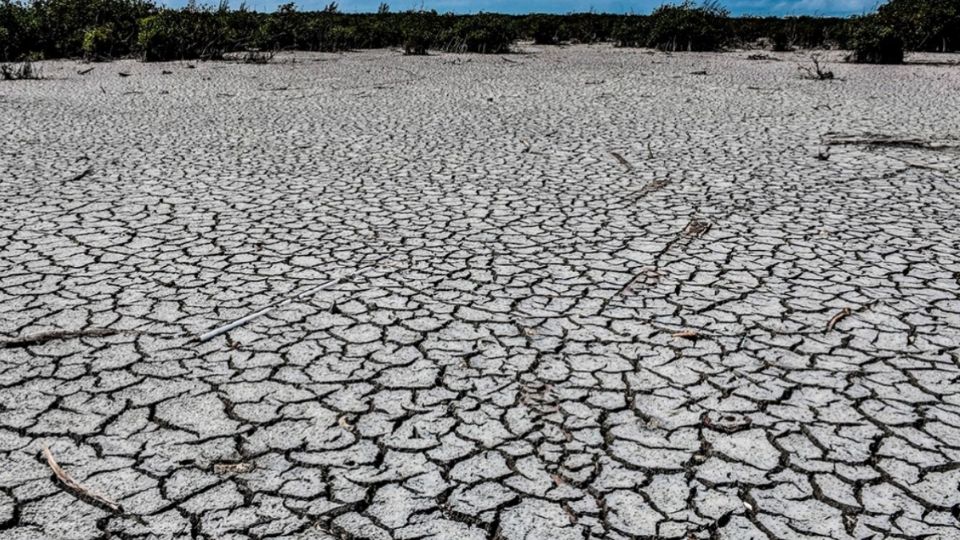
(529, 234)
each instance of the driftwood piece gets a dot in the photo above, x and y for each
(77, 488)
(697, 228)
(81, 175)
(44, 337)
(878, 140)
(687, 334)
(844, 313)
(623, 161)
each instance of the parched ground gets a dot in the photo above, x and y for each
(586, 293)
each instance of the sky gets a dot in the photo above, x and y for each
(736, 7)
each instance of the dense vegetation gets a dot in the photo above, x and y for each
(103, 29)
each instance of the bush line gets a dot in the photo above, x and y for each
(105, 29)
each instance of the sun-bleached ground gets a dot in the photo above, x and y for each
(585, 293)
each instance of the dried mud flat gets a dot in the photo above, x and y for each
(587, 293)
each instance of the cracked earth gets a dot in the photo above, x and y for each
(585, 293)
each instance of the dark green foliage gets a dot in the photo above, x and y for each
(104, 29)
(418, 31)
(186, 35)
(98, 42)
(631, 32)
(923, 25)
(688, 27)
(69, 28)
(483, 33)
(789, 32)
(875, 43)
(545, 29)
(780, 42)
(17, 33)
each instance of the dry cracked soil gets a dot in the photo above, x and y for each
(584, 293)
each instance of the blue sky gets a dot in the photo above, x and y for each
(737, 7)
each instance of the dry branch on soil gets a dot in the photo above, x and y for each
(44, 337)
(697, 228)
(844, 313)
(81, 175)
(81, 491)
(832, 139)
(687, 334)
(623, 161)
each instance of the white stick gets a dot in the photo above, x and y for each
(239, 322)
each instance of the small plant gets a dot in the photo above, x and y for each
(815, 71)
(20, 72)
(631, 32)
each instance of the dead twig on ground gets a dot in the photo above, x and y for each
(623, 161)
(44, 337)
(81, 175)
(844, 313)
(697, 228)
(77, 488)
(834, 139)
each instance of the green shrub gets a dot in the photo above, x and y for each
(17, 31)
(875, 43)
(99, 29)
(483, 33)
(924, 25)
(61, 26)
(281, 30)
(688, 27)
(341, 38)
(631, 32)
(780, 42)
(99, 43)
(184, 35)
(545, 29)
(418, 32)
